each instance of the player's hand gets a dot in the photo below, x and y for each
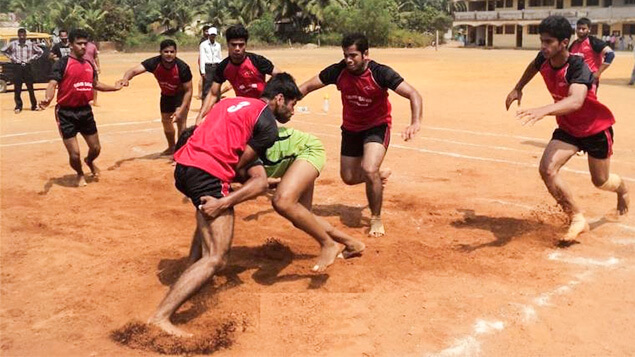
(212, 207)
(124, 82)
(515, 94)
(410, 131)
(118, 85)
(177, 116)
(44, 103)
(273, 182)
(530, 116)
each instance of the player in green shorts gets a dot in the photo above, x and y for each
(293, 163)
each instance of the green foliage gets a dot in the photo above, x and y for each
(427, 20)
(406, 38)
(263, 29)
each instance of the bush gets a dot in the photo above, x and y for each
(405, 38)
(331, 39)
(263, 29)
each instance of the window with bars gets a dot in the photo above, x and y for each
(499, 30)
(532, 29)
(577, 2)
(592, 2)
(510, 29)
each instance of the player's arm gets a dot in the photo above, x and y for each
(312, 84)
(609, 56)
(103, 87)
(573, 102)
(131, 73)
(517, 92)
(275, 71)
(49, 94)
(182, 111)
(416, 109)
(209, 101)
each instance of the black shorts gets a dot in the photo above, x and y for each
(353, 142)
(599, 146)
(196, 183)
(73, 120)
(169, 103)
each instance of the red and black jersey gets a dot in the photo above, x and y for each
(365, 96)
(75, 78)
(593, 117)
(170, 79)
(591, 50)
(233, 123)
(248, 77)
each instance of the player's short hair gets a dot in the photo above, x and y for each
(236, 32)
(167, 43)
(62, 30)
(205, 28)
(21, 30)
(77, 33)
(584, 21)
(358, 39)
(556, 26)
(282, 83)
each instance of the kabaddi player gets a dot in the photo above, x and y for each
(293, 164)
(597, 54)
(76, 78)
(175, 79)
(244, 70)
(235, 132)
(367, 118)
(583, 122)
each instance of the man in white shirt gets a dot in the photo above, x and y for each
(211, 56)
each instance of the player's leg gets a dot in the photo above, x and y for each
(556, 154)
(88, 129)
(374, 154)
(168, 107)
(72, 146)
(216, 236)
(296, 180)
(181, 124)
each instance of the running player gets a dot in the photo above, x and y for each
(367, 118)
(236, 131)
(76, 78)
(597, 54)
(245, 71)
(293, 163)
(583, 122)
(175, 79)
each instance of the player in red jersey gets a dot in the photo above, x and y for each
(175, 79)
(76, 79)
(596, 53)
(583, 122)
(367, 118)
(235, 132)
(245, 71)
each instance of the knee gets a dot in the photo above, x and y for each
(370, 172)
(215, 263)
(282, 203)
(95, 149)
(599, 180)
(547, 172)
(73, 156)
(350, 177)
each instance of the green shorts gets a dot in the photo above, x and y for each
(293, 145)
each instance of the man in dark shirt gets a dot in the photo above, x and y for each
(175, 79)
(583, 122)
(235, 132)
(22, 53)
(245, 71)
(62, 48)
(597, 54)
(367, 118)
(76, 78)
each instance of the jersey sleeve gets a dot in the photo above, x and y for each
(385, 76)
(219, 74)
(151, 63)
(579, 72)
(261, 63)
(539, 61)
(596, 44)
(58, 70)
(185, 74)
(330, 74)
(265, 132)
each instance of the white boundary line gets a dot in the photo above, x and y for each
(100, 125)
(60, 139)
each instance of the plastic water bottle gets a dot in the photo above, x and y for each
(325, 106)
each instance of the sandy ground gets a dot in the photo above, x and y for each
(469, 265)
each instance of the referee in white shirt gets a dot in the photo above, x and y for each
(211, 56)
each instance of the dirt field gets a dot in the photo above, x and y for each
(469, 265)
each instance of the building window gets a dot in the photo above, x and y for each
(499, 30)
(532, 29)
(542, 3)
(592, 2)
(510, 3)
(628, 29)
(577, 2)
(629, 2)
(606, 30)
(500, 4)
(594, 30)
(548, 3)
(510, 29)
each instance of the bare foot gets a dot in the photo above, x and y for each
(623, 202)
(384, 174)
(376, 227)
(81, 181)
(327, 257)
(94, 170)
(166, 326)
(578, 226)
(353, 249)
(167, 152)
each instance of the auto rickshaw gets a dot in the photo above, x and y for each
(41, 67)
